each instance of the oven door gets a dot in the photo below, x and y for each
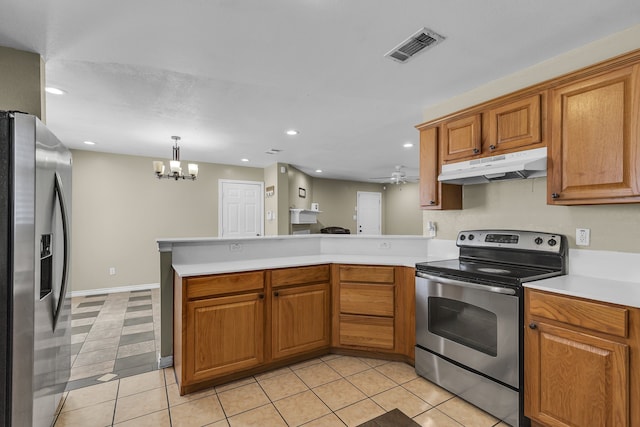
(474, 325)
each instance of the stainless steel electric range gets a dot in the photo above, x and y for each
(469, 315)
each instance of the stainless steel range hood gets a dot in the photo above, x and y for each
(520, 165)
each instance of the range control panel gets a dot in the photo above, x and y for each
(515, 239)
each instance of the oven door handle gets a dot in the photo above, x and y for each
(486, 288)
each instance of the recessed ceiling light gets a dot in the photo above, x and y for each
(318, 170)
(244, 160)
(292, 132)
(89, 142)
(407, 145)
(54, 90)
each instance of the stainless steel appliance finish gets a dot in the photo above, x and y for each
(469, 315)
(35, 191)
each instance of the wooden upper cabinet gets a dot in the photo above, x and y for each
(462, 138)
(434, 194)
(514, 125)
(595, 139)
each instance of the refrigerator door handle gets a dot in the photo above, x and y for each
(65, 237)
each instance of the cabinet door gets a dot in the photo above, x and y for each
(434, 194)
(462, 138)
(514, 125)
(300, 319)
(595, 148)
(223, 335)
(575, 379)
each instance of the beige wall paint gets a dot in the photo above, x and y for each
(271, 202)
(298, 180)
(402, 209)
(522, 204)
(120, 208)
(22, 83)
(338, 200)
(283, 199)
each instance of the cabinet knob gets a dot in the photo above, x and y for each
(533, 326)
(555, 196)
(261, 296)
(492, 147)
(276, 293)
(432, 202)
(476, 151)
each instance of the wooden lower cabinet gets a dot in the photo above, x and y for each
(224, 335)
(300, 320)
(374, 309)
(227, 326)
(580, 362)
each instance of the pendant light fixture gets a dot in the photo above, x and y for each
(175, 170)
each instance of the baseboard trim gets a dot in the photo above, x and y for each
(165, 361)
(117, 289)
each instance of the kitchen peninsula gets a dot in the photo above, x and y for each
(352, 292)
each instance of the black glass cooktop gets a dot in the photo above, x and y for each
(491, 272)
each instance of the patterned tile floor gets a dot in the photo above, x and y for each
(115, 334)
(115, 382)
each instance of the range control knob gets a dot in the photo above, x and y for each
(471, 237)
(552, 242)
(538, 240)
(462, 237)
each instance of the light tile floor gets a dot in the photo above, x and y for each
(327, 391)
(115, 382)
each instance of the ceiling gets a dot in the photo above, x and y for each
(230, 76)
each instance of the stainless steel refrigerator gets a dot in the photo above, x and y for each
(35, 303)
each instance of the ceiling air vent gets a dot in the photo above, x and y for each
(419, 41)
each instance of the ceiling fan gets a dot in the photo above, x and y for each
(398, 176)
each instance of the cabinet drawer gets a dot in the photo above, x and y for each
(205, 286)
(368, 274)
(300, 275)
(596, 316)
(366, 331)
(374, 300)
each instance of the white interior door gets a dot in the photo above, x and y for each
(369, 212)
(240, 208)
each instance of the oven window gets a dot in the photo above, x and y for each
(464, 323)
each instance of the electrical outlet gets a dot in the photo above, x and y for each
(112, 271)
(583, 236)
(235, 247)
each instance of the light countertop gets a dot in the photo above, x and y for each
(187, 270)
(595, 288)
